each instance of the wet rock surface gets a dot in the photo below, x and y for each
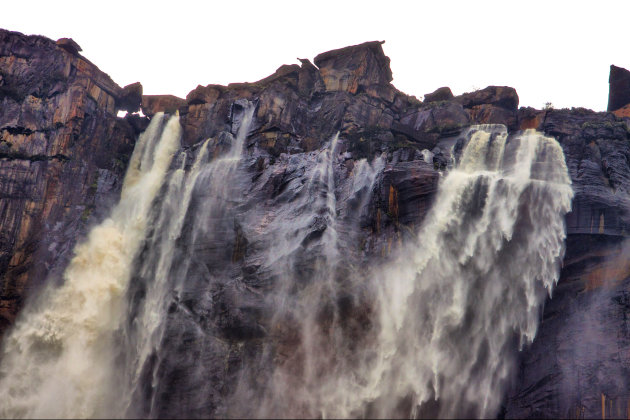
(63, 153)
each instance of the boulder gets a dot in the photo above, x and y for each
(440, 94)
(618, 88)
(69, 45)
(353, 68)
(152, 104)
(204, 94)
(130, 98)
(500, 96)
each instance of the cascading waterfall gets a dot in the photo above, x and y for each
(449, 311)
(161, 270)
(429, 331)
(452, 306)
(58, 359)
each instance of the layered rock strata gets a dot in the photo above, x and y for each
(62, 155)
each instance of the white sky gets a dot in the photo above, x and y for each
(550, 51)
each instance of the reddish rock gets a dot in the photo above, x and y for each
(69, 45)
(204, 94)
(499, 96)
(490, 114)
(351, 69)
(623, 112)
(152, 104)
(530, 118)
(62, 156)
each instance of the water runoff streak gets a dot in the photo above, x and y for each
(58, 359)
(166, 262)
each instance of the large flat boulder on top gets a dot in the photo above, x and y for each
(350, 68)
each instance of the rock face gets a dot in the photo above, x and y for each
(577, 359)
(619, 88)
(63, 153)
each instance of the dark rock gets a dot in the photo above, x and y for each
(130, 98)
(426, 125)
(138, 123)
(619, 88)
(69, 45)
(490, 114)
(440, 94)
(499, 96)
(309, 79)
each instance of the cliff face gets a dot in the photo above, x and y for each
(301, 107)
(63, 153)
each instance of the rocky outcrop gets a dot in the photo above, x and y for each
(354, 69)
(62, 155)
(619, 88)
(440, 94)
(130, 98)
(152, 104)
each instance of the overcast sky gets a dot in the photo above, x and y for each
(550, 51)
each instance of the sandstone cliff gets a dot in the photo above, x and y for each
(62, 155)
(63, 152)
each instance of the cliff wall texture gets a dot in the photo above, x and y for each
(63, 153)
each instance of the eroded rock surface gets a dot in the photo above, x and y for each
(62, 155)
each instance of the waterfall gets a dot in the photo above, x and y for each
(218, 289)
(57, 361)
(452, 306)
(165, 265)
(434, 330)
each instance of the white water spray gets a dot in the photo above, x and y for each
(57, 361)
(161, 273)
(449, 310)
(429, 333)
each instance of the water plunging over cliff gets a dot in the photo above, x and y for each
(58, 359)
(216, 290)
(433, 331)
